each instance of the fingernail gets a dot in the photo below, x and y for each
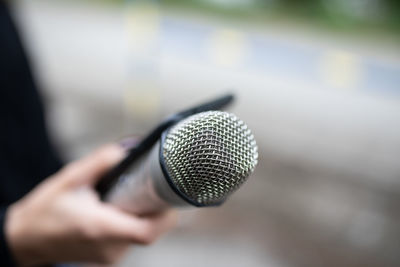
(129, 143)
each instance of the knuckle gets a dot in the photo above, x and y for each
(106, 152)
(108, 256)
(147, 236)
(69, 172)
(104, 157)
(102, 154)
(89, 233)
(70, 168)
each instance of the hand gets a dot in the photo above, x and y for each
(63, 220)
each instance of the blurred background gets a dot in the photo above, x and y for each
(317, 81)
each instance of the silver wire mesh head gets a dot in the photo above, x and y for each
(209, 155)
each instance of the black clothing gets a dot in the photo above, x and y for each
(26, 155)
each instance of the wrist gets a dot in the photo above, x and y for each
(17, 241)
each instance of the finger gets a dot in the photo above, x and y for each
(89, 169)
(129, 142)
(143, 230)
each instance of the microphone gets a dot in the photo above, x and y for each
(200, 161)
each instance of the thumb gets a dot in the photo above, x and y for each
(89, 169)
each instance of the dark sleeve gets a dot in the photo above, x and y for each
(6, 259)
(26, 153)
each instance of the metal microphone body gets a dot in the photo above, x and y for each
(143, 188)
(198, 162)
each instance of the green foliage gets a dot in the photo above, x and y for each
(337, 14)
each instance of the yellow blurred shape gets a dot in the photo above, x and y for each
(143, 26)
(227, 47)
(340, 69)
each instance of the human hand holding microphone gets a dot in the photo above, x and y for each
(201, 158)
(63, 219)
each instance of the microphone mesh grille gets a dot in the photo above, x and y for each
(209, 155)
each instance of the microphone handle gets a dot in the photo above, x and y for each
(143, 188)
